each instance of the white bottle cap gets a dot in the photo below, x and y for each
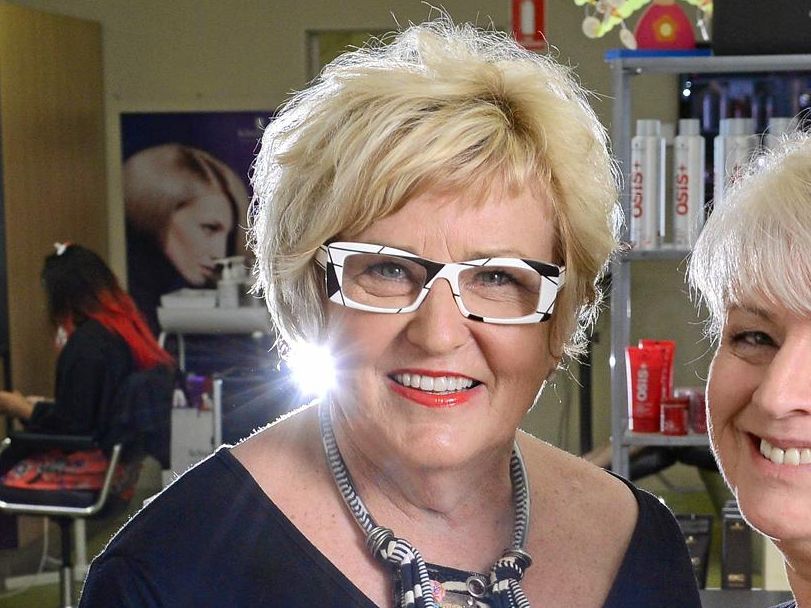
(648, 127)
(779, 125)
(741, 126)
(689, 126)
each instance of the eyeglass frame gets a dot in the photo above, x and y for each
(330, 257)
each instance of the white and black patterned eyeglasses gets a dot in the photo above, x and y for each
(383, 279)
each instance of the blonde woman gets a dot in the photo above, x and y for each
(435, 212)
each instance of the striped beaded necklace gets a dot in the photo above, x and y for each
(502, 588)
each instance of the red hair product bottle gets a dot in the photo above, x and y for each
(644, 372)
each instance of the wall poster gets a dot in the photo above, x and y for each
(186, 196)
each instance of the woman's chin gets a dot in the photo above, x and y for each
(780, 517)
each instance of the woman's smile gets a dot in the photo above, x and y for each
(434, 389)
(783, 459)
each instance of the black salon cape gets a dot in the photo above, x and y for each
(101, 394)
(213, 538)
(89, 371)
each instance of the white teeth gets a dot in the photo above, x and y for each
(792, 456)
(788, 456)
(440, 384)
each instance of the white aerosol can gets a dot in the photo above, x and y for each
(777, 129)
(732, 149)
(647, 185)
(688, 183)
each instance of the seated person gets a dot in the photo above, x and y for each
(102, 339)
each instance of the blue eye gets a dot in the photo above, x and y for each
(495, 277)
(388, 270)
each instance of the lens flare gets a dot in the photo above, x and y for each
(312, 368)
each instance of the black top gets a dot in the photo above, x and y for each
(92, 365)
(213, 538)
(789, 604)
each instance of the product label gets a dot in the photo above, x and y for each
(644, 369)
(682, 190)
(637, 191)
(688, 190)
(646, 191)
(668, 352)
(642, 378)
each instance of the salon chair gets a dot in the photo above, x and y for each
(651, 460)
(62, 506)
(139, 427)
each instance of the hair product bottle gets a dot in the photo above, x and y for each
(732, 149)
(778, 128)
(688, 183)
(228, 287)
(647, 185)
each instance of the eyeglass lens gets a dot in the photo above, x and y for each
(393, 282)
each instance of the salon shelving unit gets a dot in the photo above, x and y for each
(624, 67)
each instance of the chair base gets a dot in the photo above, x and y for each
(66, 587)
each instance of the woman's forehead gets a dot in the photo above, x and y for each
(770, 300)
(447, 225)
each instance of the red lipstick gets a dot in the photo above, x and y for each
(434, 400)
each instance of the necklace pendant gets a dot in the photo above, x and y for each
(477, 586)
(458, 589)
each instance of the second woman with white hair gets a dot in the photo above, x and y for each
(436, 213)
(752, 266)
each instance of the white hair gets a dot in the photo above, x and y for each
(756, 246)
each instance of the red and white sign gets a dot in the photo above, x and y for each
(528, 22)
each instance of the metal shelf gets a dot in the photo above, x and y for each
(712, 64)
(691, 439)
(624, 68)
(656, 255)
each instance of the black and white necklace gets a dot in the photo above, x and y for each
(502, 589)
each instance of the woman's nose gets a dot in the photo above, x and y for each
(786, 388)
(438, 326)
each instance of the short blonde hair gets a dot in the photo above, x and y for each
(441, 106)
(159, 180)
(756, 245)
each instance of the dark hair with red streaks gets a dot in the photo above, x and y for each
(80, 286)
